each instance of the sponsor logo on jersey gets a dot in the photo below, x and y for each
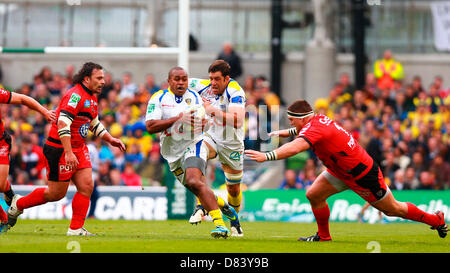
(65, 169)
(84, 129)
(150, 108)
(238, 99)
(236, 156)
(188, 101)
(74, 100)
(87, 104)
(178, 172)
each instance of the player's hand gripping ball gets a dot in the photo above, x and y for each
(197, 114)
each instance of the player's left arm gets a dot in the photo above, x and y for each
(99, 130)
(235, 114)
(289, 149)
(17, 98)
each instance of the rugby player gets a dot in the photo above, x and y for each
(66, 151)
(224, 101)
(169, 112)
(349, 166)
(7, 97)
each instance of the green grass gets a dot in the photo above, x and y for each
(39, 236)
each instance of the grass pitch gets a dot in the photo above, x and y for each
(175, 236)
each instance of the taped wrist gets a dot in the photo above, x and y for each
(271, 156)
(292, 131)
(67, 120)
(97, 127)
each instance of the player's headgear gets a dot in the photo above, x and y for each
(300, 109)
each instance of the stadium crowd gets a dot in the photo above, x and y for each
(405, 126)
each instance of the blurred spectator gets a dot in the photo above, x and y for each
(374, 147)
(389, 166)
(270, 98)
(398, 182)
(70, 72)
(307, 177)
(229, 55)
(370, 87)
(142, 95)
(427, 181)
(439, 88)
(134, 156)
(42, 95)
(291, 181)
(129, 88)
(116, 178)
(387, 70)
(109, 85)
(33, 160)
(150, 84)
(411, 178)
(104, 178)
(119, 160)
(416, 85)
(347, 86)
(249, 84)
(441, 171)
(130, 177)
(152, 166)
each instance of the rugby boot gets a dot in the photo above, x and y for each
(442, 228)
(220, 232)
(13, 211)
(313, 238)
(197, 215)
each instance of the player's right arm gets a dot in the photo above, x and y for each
(284, 133)
(17, 98)
(289, 149)
(64, 123)
(69, 108)
(153, 119)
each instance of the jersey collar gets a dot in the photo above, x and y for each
(86, 89)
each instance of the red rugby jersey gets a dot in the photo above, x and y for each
(81, 105)
(336, 148)
(5, 97)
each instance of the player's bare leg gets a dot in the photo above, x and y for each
(234, 198)
(196, 183)
(82, 179)
(53, 192)
(317, 195)
(391, 207)
(5, 187)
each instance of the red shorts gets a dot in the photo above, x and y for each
(371, 187)
(5, 148)
(57, 169)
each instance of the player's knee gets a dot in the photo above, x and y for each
(312, 196)
(395, 210)
(53, 196)
(87, 190)
(193, 183)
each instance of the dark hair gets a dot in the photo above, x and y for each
(220, 65)
(85, 71)
(300, 106)
(173, 69)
